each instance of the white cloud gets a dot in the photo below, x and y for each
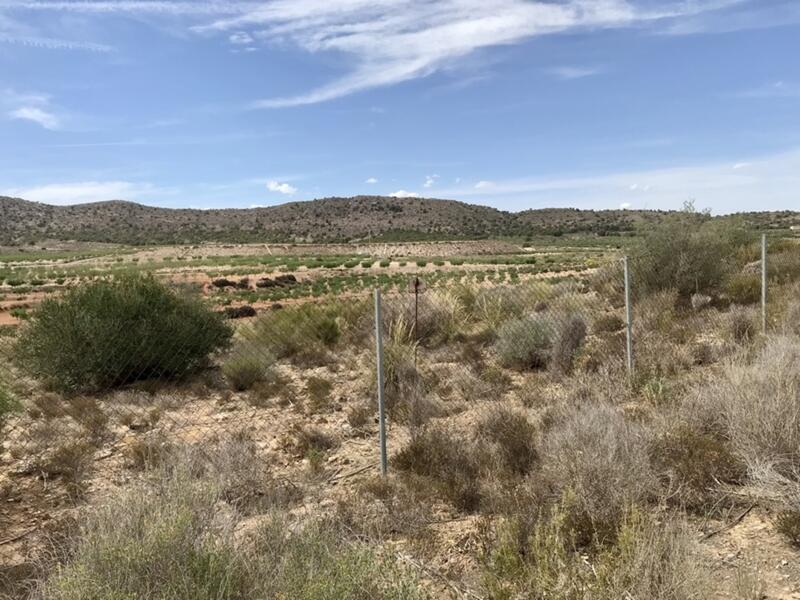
(482, 185)
(29, 106)
(768, 183)
(82, 192)
(241, 38)
(625, 205)
(572, 72)
(404, 194)
(283, 188)
(371, 180)
(37, 115)
(430, 180)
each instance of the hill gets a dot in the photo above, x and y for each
(324, 220)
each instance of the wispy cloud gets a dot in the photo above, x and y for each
(776, 89)
(430, 181)
(388, 42)
(725, 186)
(371, 180)
(391, 41)
(281, 188)
(82, 192)
(573, 72)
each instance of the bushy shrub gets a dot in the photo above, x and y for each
(109, 333)
(525, 343)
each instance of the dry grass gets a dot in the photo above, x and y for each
(514, 436)
(600, 457)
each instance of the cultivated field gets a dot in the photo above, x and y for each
(201, 421)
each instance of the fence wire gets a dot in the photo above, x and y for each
(105, 380)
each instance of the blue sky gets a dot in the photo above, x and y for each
(511, 103)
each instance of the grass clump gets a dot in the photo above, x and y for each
(8, 404)
(303, 333)
(110, 333)
(525, 343)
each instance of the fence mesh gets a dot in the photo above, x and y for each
(270, 373)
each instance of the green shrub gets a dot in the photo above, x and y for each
(247, 367)
(109, 333)
(525, 343)
(8, 404)
(687, 253)
(303, 332)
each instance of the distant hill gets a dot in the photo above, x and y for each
(325, 220)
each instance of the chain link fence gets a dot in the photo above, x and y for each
(108, 378)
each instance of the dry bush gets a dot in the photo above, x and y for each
(568, 341)
(174, 540)
(608, 323)
(742, 324)
(744, 288)
(311, 443)
(594, 452)
(449, 460)
(360, 415)
(759, 404)
(694, 464)
(148, 451)
(513, 435)
(319, 393)
(787, 523)
(69, 461)
(650, 558)
(431, 319)
(525, 343)
(791, 319)
(247, 366)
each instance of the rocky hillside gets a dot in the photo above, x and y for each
(325, 220)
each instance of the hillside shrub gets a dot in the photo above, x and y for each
(525, 343)
(8, 404)
(110, 333)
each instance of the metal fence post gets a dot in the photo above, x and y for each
(628, 315)
(764, 282)
(381, 403)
